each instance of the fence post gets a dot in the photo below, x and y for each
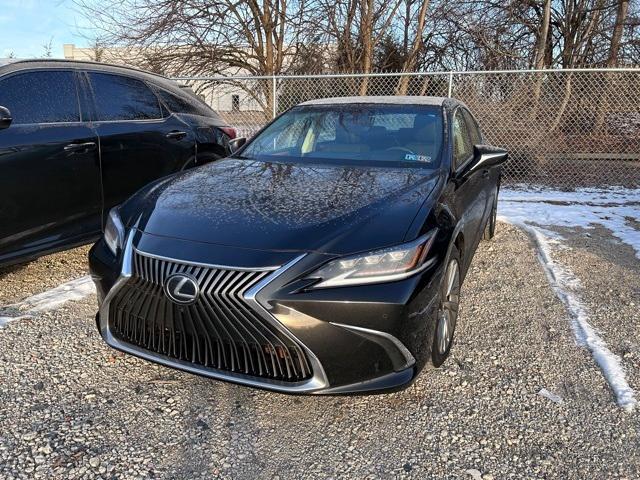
(274, 96)
(450, 84)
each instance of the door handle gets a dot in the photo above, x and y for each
(176, 135)
(80, 147)
(485, 174)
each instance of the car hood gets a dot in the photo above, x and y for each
(284, 206)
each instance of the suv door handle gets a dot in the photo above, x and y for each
(80, 147)
(176, 135)
(485, 174)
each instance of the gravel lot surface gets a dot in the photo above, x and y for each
(70, 407)
(610, 276)
(23, 280)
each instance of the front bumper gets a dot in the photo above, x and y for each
(357, 339)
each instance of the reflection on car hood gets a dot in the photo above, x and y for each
(282, 206)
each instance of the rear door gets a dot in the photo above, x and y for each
(49, 169)
(139, 141)
(471, 196)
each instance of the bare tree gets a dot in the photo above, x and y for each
(47, 48)
(543, 37)
(200, 37)
(612, 61)
(541, 55)
(515, 34)
(355, 28)
(276, 37)
(411, 54)
(621, 16)
(97, 51)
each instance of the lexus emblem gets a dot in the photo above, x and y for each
(182, 288)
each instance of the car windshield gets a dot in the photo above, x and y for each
(407, 134)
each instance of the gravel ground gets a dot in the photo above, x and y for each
(610, 276)
(70, 407)
(23, 280)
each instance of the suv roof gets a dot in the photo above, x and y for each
(17, 65)
(48, 62)
(7, 61)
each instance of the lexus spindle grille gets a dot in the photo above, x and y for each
(220, 330)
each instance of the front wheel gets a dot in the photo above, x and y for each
(447, 314)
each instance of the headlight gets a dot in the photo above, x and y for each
(114, 231)
(393, 263)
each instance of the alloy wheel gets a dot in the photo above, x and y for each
(448, 312)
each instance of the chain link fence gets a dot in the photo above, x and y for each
(563, 128)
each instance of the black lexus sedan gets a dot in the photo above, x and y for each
(326, 255)
(77, 138)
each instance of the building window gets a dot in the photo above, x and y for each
(235, 103)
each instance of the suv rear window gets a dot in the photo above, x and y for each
(41, 97)
(123, 98)
(183, 103)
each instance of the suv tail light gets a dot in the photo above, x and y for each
(231, 132)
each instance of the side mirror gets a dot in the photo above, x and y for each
(485, 156)
(5, 118)
(236, 144)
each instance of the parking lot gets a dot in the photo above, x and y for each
(522, 396)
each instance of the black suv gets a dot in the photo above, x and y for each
(77, 138)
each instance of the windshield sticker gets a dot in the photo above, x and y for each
(413, 157)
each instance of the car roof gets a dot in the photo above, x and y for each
(387, 99)
(17, 65)
(7, 61)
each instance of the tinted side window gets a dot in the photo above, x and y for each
(474, 130)
(123, 98)
(41, 97)
(462, 146)
(183, 103)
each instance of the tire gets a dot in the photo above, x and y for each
(490, 228)
(447, 312)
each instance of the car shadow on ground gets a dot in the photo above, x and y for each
(259, 434)
(4, 271)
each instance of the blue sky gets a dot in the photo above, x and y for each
(27, 25)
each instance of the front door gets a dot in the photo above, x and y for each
(471, 195)
(489, 176)
(49, 169)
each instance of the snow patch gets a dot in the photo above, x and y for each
(5, 319)
(474, 473)
(51, 299)
(535, 210)
(616, 209)
(550, 395)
